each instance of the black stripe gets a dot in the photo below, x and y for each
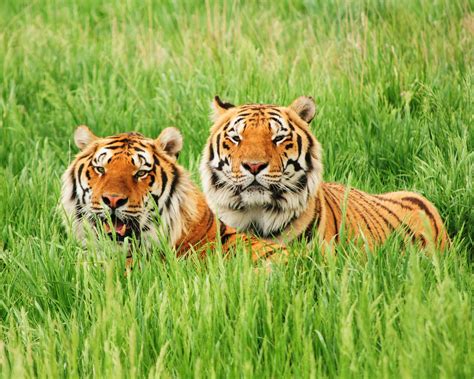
(211, 152)
(74, 185)
(400, 222)
(139, 143)
(299, 143)
(267, 254)
(225, 146)
(325, 189)
(115, 147)
(314, 223)
(218, 148)
(423, 206)
(152, 180)
(275, 114)
(125, 141)
(374, 206)
(156, 160)
(366, 223)
(156, 198)
(277, 121)
(295, 164)
(238, 119)
(143, 160)
(174, 183)
(224, 236)
(79, 174)
(308, 160)
(164, 181)
(215, 181)
(308, 136)
(374, 221)
(399, 203)
(388, 210)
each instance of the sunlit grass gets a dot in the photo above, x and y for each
(393, 84)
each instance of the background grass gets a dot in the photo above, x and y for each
(393, 82)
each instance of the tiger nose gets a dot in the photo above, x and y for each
(114, 200)
(254, 167)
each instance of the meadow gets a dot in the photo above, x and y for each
(393, 84)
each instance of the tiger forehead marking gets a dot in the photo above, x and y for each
(246, 131)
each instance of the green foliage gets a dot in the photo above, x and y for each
(393, 83)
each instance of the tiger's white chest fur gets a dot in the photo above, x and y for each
(256, 211)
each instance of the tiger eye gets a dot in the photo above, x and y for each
(235, 139)
(141, 173)
(100, 170)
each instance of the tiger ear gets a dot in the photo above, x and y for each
(219, 108)
(83, 137)
(171, 141)
(305, 107)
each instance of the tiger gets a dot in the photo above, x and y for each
(130, 186)
(262, 172)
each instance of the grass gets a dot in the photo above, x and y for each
(393, 82)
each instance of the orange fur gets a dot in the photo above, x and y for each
(130, 185)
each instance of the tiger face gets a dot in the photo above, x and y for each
(116, 184)
(261, 163)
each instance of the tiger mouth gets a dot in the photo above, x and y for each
(254, 186)
(118, 229)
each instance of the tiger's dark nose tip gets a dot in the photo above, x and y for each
(114, 201)
(254, 167)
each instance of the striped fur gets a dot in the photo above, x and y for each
(262, 172)
(128, 185)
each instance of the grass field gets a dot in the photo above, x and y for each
(393, 82)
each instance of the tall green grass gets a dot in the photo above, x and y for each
(393, 83)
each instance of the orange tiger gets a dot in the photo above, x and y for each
(262, 169)
(128, 185)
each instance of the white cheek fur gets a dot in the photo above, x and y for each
(249, 209)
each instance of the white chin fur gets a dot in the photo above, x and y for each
(253, 214)
(252, 198)
(255, 211)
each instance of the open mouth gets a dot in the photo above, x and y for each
(119, 229)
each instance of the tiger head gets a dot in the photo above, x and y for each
(261, 163)
(124, 183)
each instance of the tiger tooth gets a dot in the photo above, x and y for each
(122, 231)
(106, 228)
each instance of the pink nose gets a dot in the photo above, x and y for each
(254, 167)
(114, 200)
